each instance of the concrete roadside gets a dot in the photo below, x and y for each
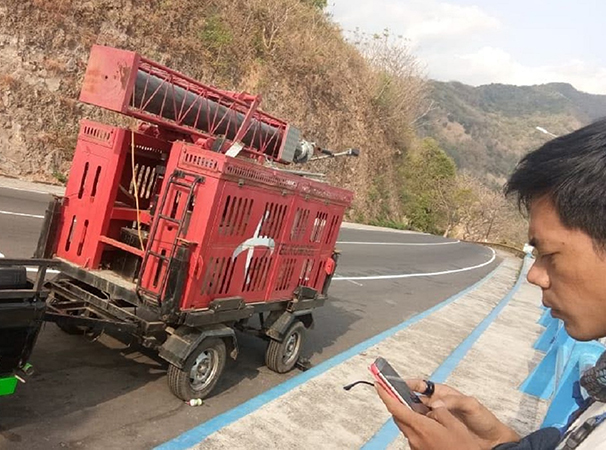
(25, 185)
(497, 364)
(313, 410)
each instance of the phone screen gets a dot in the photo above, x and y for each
(390, 379)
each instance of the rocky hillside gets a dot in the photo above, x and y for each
(286, 50)
(487, 128)
(368, 96)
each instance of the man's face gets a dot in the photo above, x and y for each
(571, 274)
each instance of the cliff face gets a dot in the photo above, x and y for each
(286, 50)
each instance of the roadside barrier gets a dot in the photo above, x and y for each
(557, 375)
(508, 248)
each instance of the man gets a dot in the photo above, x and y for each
(562, 186)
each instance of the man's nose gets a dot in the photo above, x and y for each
(537, 275)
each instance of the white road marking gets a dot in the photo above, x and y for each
(35, 269)
(35, 216)
(413, 275)
(58, 191)
(351, 279)
(398, 243)
(355, 282)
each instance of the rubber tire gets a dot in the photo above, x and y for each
(274, 356)
(178, 379)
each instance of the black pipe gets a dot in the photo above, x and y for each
(152, 92)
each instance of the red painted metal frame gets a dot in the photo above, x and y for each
(94, 206)
(110, 81)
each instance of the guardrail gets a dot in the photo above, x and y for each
(560, 370)
(508, 248)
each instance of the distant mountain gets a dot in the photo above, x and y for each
(486, 129)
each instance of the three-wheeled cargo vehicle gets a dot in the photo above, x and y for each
(177, 231)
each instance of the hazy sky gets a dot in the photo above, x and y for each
(493, 41)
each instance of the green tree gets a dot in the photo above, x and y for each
(430, 190)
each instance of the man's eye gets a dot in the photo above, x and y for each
(539, 255)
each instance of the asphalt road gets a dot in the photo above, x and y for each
(103, 395)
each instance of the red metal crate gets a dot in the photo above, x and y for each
(94, 208)
(252, 231)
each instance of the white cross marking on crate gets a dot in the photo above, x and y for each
(255, 241)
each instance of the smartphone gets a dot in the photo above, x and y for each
(389, 379)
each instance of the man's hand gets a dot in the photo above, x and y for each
(438, 430)
(483, 424)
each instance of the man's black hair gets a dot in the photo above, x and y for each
(571, 170)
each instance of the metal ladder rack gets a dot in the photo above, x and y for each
(155, 297)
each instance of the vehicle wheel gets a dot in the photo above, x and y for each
(200, 372)
(282, 356)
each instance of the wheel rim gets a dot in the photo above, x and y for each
(291, 348)
(204, 369)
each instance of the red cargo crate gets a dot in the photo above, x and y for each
(93, 211)
(252, 231)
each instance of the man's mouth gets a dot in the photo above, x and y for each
(554, 312)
